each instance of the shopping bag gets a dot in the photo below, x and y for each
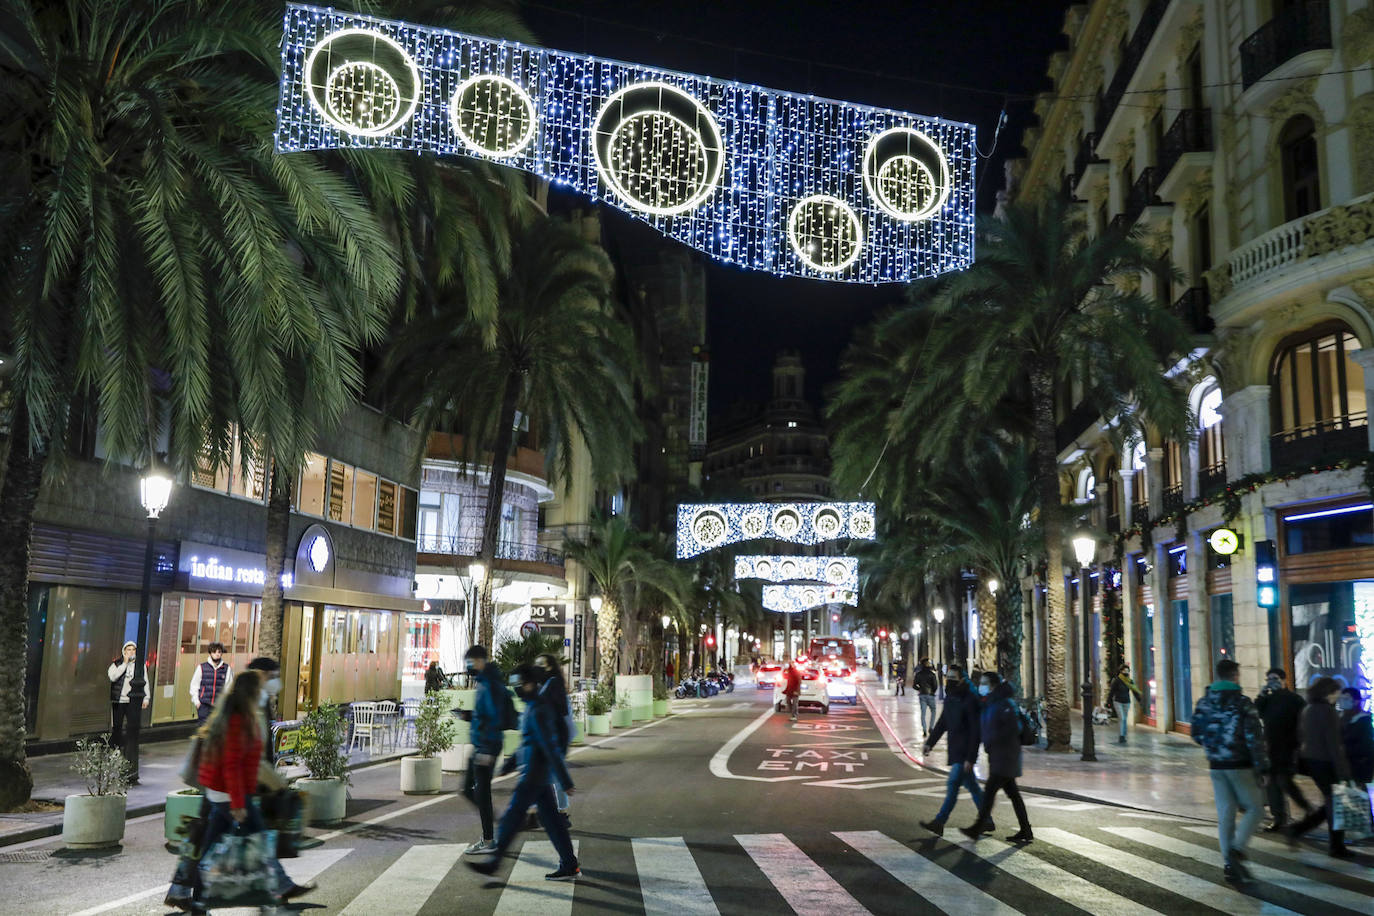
(237, 870)
(1350, 812)
(190, 765)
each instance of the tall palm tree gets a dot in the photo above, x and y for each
(160, 262)
(554, 355)
(626, 567)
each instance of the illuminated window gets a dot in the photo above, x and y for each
(1316, 385)
(1301, 167)
(364, 500)
(310, 501)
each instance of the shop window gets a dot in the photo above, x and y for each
(1147, 659)
(243, 627)
(364, 500)
(1329, 529)
(1183, 663)
(386, 507)
(1223, 628)
(1178, 562)
(1324, 638)
(1301, 167)
(310, 500)
(340, 491)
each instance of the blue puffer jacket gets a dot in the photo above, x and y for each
(488, 710)
(1228, 727)
(1000, 727)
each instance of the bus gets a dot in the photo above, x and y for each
(828, 649)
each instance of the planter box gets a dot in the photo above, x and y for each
(182, 804)
(455, 759)
(421, 776)
(640, 688)
(598, 725)
(622, 717)
(579, 731)
(93, 821)
(327, 799)
(660, 708)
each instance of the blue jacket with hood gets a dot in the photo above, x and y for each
(488, 710)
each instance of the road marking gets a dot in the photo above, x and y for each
(720, 761)
(1300, 856)
(805, 886)
(1296, 883)
(406, 886)
(1059, 804)
(928, 793)
(1065, 885)
(1178, 882)
(884, 783)
(669, 878)
(527, 891)
(941, 888)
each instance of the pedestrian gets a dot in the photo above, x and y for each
(1228, 727)
(486, 728)
(555, 694)
(901, 677)
(123, 727)
(1322, 757)
(1119, 695)
(210, 679)
(668, 670)
(434, 678)
(959, 724)
(791, 689)
(1280, 709)
(1357, 734)
(541, 764)
(926, 683)
(1000, 730)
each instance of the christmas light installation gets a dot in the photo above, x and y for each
(762, 179)
(793, 599)
(706, 526)
(1362, 659)
(839, 572)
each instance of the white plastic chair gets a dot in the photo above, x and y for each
(410, 709)
(364, 725)
(386, 719)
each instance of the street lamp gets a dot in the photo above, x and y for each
(939, 614)
(154, 491)
(1085, 548)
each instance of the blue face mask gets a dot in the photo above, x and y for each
(1345, 703)
(984, 689)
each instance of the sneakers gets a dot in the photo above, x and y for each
(298, 890)
(935, 827)
(481, 848)
(564, 874)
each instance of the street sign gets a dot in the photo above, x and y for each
(529, 627)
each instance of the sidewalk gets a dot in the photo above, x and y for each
(1153, 772)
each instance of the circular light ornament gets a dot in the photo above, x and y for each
(810, 598)
(1224, 541)
(763, 570)
(836, 573)
(827, 523)
(789, 569)
(318, 553)
(492, 115)
(906, 174)
(362, 82)
(754, 525)
(825, 233)
(658, 148)
(709, 528)
(861, 525)
(786, 522)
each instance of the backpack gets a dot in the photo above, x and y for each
(1030, 734)
(510, 719)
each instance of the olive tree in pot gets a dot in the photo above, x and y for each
(95, 820)
(599, 702)
(660, 698)
(434, 733)
(321, 749)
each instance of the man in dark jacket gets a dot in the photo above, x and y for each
(1119, 695)
(1000, 728)
(1280, 709)
(791, 689)
(486, 729)
(959, 721)
(1228, 727)
(926, 683)
(899, 669)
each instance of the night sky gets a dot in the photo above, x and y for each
(1001, 46)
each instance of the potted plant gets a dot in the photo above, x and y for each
(95, 820)
(622, 714)
(183, 806)
(579, 713)
(421, 774)
(599, 702)
(660, 698)
(325, 784)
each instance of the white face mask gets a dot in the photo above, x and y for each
(270, 688)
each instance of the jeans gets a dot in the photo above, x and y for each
(1236, 789)
(221, 822)
(1281, 784)
(122, 716)
(927, 709)
(960, 774)
(1323, 773)
(998, 781)
(534, 789)
(477, 789)
(1123, 712)
(793, 701)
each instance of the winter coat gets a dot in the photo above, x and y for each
(540, 753)
(121, 674)
(233, 767)
(488, 710)
(1121, 690)
(925, 681)
(1000, 726)
(1228, 727)
(555, 693)
(434, 679)
(1321, 737)
(1280, 710)
(959, 717)
(791, 682)
(1357, 734)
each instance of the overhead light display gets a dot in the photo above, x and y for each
(837, 572)
(765, 180)
(706, 526)
(793, 599)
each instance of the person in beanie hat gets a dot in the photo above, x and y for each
(209, 681)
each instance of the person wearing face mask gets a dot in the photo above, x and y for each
(959, 720)
(122, 712)
(1323, 758)
(1122, 689)
(1000, 729)
(1280, 709)
(1357, 734)
(210, 679)
(486, 728)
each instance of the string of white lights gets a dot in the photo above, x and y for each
(706, 526)
(793, 599)
(838, 572)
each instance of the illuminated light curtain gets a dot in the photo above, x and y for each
(793, 599)
(706, 526)
(837, 572)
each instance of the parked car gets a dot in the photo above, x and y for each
(814, 690)
(840, 685)
(769, 674)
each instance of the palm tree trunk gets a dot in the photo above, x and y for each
(1047, 483)
(278, 531)
(1009, 634)
(987, 627)
(608, 639)
(491, 524)
(18, 496)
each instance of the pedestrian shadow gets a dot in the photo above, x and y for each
(382, 832)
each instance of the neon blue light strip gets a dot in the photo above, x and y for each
(1178, 549)
(1343, 510)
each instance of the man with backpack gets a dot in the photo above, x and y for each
(1004, 729)
(492, 713)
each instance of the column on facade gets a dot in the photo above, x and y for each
(1251, 621)
(1164, 639)
(1365, 358)
(1202, 656)
(1245, 418)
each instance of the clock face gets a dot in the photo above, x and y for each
(1224, 541)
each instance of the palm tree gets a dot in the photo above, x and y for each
(556, 357)
(160, 262)
(625, 565)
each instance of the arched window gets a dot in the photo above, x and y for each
(1087, 485)
(1211, 447)
(1316, 385)
(1140, 491)
(1301, 167)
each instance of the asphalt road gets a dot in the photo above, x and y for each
(726, 807)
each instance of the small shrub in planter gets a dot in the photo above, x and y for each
(660, 698)
(320, 745)
(599, 703)
(96, 819)
(622, 715)
(422, 774)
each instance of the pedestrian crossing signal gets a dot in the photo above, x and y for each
(1266, 574)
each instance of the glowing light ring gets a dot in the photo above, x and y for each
(328, 108)
(856, 522)
(501, 86)
(834, 572)
(786, 522)
(887, 152)
(793, 599)
(825, 233)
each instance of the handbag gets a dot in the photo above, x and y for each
(237, 871)
(190, 766)
(1350, 811)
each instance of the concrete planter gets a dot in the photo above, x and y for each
(421, 776)
(93, 821)
(580, 732)
(622, 717)
(327, 800)
(660, 708)
(182, 804)
(455, 759)
(598, 725)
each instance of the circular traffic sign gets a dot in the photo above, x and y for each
(529, 628)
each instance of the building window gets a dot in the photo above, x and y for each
(340, 491)
(386, 507)
(1329, 529)
(1211, 447)
(1087, 485)
(1316, 386)
(365, 500)
(1301, 167)
(429, 530)
(310, 500)
(1202, 245)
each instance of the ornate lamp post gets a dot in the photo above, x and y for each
(154, 491)
(1085, 548)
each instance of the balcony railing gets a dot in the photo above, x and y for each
(472, 547)
(1173, 498)
(1150, 19)
(1323, 441)
(1192, 309)
(1302, 27)
(1087, 155)
(1144, 193)
(1191, 132)
(1321, 233)
(1211, 479)
(1140, 513)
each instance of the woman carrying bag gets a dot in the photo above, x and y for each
(1322, 757)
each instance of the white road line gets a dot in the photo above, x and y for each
(882, 784)
(526, 890)
(669, 878)
(940, 887)
(1360, 903)
(805, 886)
(933, 792)
(1299, 856)
(1064, 885)
(1188, 886)
(720, 761)
(403, 889)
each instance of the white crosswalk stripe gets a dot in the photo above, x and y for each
(1299, 856)
(526, 889)
(1360, 903)
(805, 887)
(927, 878)
(405, 887)
(1065, 885)
(669, 879)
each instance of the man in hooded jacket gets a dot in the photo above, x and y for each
(959, 720)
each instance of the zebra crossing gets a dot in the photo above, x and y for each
(1116, 870)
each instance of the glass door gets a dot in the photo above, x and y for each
(1183, 664)
(305, 679)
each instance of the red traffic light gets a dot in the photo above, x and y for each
(710, 639)
(882, 634)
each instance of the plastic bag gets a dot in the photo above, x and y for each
(237, 870)
(1351, 812)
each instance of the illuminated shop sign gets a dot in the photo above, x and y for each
(210, 569)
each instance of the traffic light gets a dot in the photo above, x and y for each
(710, 639)
(882, 634)
(1266, 574)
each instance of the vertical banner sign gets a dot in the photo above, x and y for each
(577, 645)
(696, 424)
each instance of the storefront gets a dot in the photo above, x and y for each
(1146, 637)
(1181, 650)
